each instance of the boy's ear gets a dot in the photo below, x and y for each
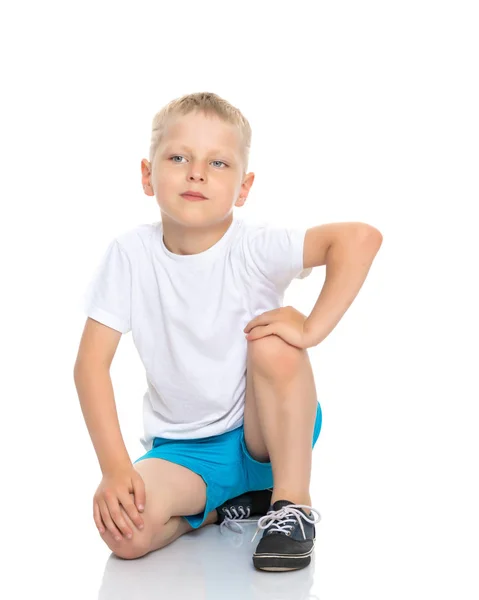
(245, 188)
(247, 182)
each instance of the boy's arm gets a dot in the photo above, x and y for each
(95, 391)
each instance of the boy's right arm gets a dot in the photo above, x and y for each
(95, 391)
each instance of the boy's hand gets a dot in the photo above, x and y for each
(285, 322)
(119, 487)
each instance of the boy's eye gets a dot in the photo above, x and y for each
(179, 156)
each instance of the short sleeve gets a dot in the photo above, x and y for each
(277, 252)
(108, 297)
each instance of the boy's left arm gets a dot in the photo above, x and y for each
(347, 250)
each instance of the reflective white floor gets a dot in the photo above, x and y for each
(204, 565)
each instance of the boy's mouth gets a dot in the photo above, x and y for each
(192, 198)
(194, 193)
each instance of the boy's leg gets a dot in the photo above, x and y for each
(166, 534)
(171, 491)
(282, 403)
(177, 526)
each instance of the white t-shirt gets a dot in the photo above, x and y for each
(187, 314)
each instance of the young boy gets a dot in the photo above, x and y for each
(229, 422)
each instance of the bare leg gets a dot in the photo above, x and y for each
(286, 402)
(177, 526)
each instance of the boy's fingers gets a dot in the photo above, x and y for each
(130, 509)
(97, 517)
(117, 513)
(139, 491)
(108, 520)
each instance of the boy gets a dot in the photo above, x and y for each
(224, 415)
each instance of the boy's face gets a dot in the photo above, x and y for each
(200, 153)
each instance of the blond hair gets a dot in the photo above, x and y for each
(208, 103)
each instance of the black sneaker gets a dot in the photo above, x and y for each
(242, 507)
(288, 537)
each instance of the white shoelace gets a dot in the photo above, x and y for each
(286, 517)
(230, 521)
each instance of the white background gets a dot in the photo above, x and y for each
(361, 111)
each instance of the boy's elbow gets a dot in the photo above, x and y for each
(77, 370)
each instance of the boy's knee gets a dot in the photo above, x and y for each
(137, 546)
(273, 356)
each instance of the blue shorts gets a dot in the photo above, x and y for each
(224, 463)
